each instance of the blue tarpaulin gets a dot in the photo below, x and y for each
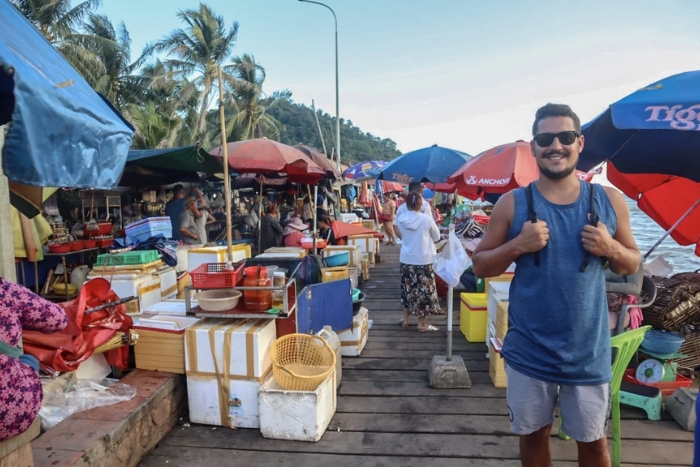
(63, 134)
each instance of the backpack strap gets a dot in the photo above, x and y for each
(594, 219)
(532, 215)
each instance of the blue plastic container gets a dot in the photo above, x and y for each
(662, 342)
(341, 259)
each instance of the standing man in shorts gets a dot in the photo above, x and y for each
(558, 342)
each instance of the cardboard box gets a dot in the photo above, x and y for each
(161, 343)
(296, 415)
(369, 224)
(473, 316)
(353, 340)
(355, 253)
(498, 292)
(226, 360)
(334, 274)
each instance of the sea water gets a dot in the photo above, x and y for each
(647, 233)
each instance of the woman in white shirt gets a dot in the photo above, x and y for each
(418, 292)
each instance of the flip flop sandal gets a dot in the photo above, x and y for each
(430, 328)
(404, 325)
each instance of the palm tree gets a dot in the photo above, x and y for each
(58, 21)
(199, 49)
(112, 73)
(154, 127)
(251, 119)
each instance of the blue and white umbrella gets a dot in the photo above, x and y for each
(655, 130)
(433, 164)
(364, 170)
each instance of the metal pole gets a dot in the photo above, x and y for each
(227, 181)
(449, 309)
(337, 94)
(673, 227)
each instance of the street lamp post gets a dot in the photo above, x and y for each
(337, 105)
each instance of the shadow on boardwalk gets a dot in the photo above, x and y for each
(388, 416)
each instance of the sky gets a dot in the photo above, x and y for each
(464, 74)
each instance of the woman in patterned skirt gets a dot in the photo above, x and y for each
(20, 386)
(418, 292)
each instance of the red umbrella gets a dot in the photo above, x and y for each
(321, 160)
(388, 187)
(498, 170)
(343, 229)
(263, 155)
(669, 200)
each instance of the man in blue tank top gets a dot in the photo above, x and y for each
(558, 343)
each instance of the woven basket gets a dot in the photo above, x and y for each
(301, 362)
(691, 347)
(677, 302)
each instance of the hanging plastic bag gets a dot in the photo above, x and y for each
(452, 261)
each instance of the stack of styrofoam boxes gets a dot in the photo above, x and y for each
(181, 252)
(146, 287)
(215, 254)
(496, 292)
(227, 361)
(168, 282)
(473, 316)
(367, 246)
(355, 264)
(349, 218)
(288, 250)
(353, 340)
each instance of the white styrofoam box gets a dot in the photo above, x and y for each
(365, 242)
(280, 255)
(349, 218)
(353, 340)
(215, 254)
(498, 292)
(165, 322)
(144, 286)
(205, 396)
(168, 282)
(170, 307)
(296, 415)
(248, 343)
(181, 252)
(355, 253)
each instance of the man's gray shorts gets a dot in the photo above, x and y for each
(531, 402)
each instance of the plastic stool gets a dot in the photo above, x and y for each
(647, 398)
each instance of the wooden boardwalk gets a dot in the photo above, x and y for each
(389, 416)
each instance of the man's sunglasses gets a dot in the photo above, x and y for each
(544, 140)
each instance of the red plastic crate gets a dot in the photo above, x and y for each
(216, 276)
(666, 388)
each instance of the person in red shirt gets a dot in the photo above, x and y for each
(293, 233)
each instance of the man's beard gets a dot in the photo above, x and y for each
(556, 175)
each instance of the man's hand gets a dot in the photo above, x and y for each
(533, 237)
(597, 240)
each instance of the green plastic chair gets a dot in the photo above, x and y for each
(626, 345)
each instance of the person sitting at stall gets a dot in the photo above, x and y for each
(293, 233)
(189, 233)
(270, 229)
(20, 386)
(325, 231)
(174, 208)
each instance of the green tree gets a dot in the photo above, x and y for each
(154, 128)
(251, 119)
(198, 49)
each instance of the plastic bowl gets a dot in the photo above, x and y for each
(60, 289)
(662, 342)
(341, 259)
(218, 300)
(357, 304)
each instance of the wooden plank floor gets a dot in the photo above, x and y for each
(389, 416)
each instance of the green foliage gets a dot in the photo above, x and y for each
(300, 127)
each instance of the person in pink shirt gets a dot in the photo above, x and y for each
(293, 233)
(20, 387)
